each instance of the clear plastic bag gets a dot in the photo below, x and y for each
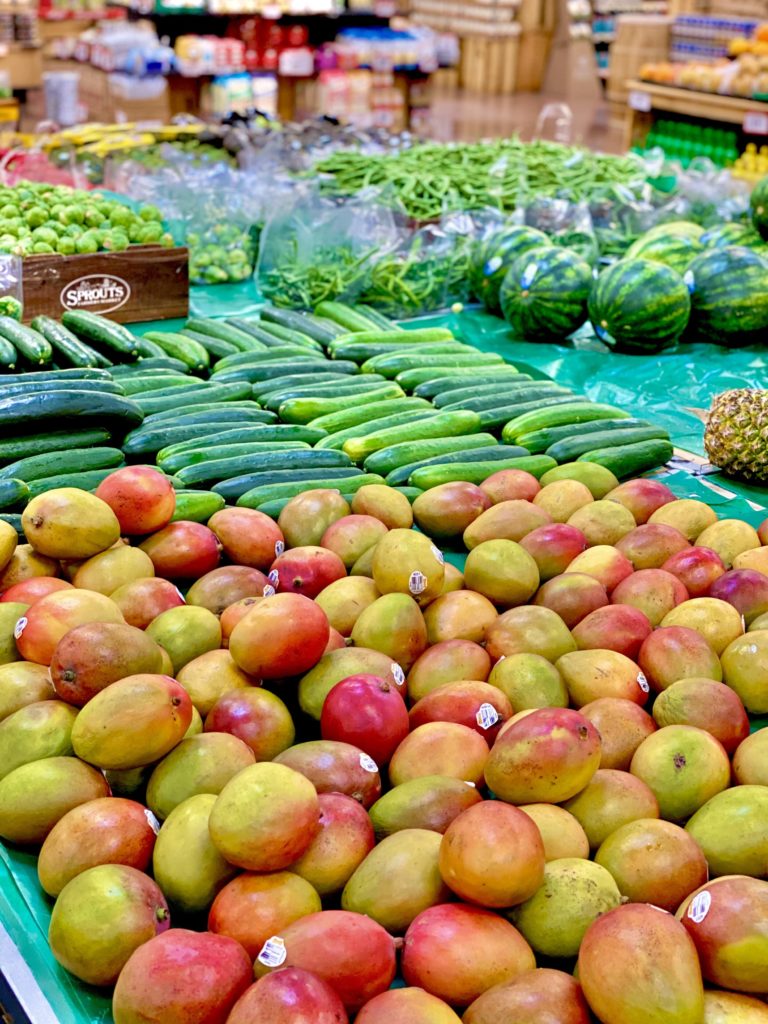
(318, 248)
(11, 293)
(568, 224)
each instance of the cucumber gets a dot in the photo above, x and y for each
(9, 357)
(98, 329)
(497, 453)
(213, 346)
(162, 363)
(326, 379)
(216, 470)
(13, 492)
(57, 441)
(339, 437)
(64, 343)
(28, 343)
(281, 353)
(200, 412)
(460, 394)
(36, 467)
(149, 349)
(510, 398)
(576, 412)
(225, 332)
(181, 397)
(196, 506)
(410, 379)
(571, 448)
(275, 506)
(270, 338)
(274, 399)
(136, 384)
(278, 433)
(68, 374)
(174, 461)
(386, 459)
(378, 318)
(494, 419)
(476, 472)
(189, 351)
(58, 408)
(345, 316)
(105, 387)
(14, 519)
(418, 336)
(268, 492)
(286, 476)
(442, 424)
(364, 413)
(88, 480)
(301, 367)
(304, 323)
(233, 489)
(391, 365)
(539, 440)
(150, 440)
(302, 410)
(234, 486)
(630, 459)
(361, 351)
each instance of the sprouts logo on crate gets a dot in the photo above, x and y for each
(97, 293)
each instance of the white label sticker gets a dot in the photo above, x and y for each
(397, 674)
(755, 123)
(368, 763)
(417, 582)
(639, 100)
(468, 783)
(528, 275)
(438, 555)
(274, 577)
(154, 824)
(279, 548)
(273, 952)
(19, 628)
(492, 265)
(269, 591)
(180, 594)
(689, 280)
(699, 907)
(642, 682)
(487, 716)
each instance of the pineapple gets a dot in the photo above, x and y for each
(736, 434)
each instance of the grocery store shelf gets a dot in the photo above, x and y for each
(692, 103)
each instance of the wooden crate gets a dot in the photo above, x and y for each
(145, 282)
(532, 58)
(489, 64)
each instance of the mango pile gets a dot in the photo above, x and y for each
(308, 757)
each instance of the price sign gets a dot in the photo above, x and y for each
(640, 100)
(755, 123)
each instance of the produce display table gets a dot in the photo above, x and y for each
(666, 388)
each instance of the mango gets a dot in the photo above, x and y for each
(717, 621)
(101, 917)
(440, 748)
(186, 864)
(8, 542)
(453, 580)
(306, 517)
(11, 612)
(662, 980)
(345, 837)
(447, 662)
(22, 683)
(35, 796)
(529, 681)
(732, 830)
(384, 503)
(459, 615)
(344, 600)
(561, 498)
(745, 669)
(529, 630)
(25, 564)
(684, 767)
(315, 686)
(430, 802)
(335, 767)
(129, 781)
(707, 704)
(750, 762)
(575, 892)
(598, 479)
(364, 565)
(109, 830)
(411, 1004)
(69, 523)
(397, 880)
(201, 764)
(561, 833)
(611, 799)
(447, 510)
(729, 538)
(623, 725)
(603, 522)
(687, 515)
(731, 1008)
(252, 908)
(536, 996)
(209, 676)
(394, 625)
(90, 657)
(46, 621)
(595, 674)
(186, 633)
(265, 817)
(133, 722)
(257, 717)
(351, 536)
(36, 731)
(195, 727)
(502, 571)
(406, 562)
(507, 520)
(113, 568)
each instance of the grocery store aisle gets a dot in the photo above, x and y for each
(467, 117)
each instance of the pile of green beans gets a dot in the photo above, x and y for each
(431, 179)
(416, 281)
(335, 272)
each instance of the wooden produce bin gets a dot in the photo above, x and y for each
(489, 63)
(145, 282)
(23, 64)
(639, 40)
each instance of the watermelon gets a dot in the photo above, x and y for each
(758, 205)
(678, 228)
(544, 294)
(639, 305)
(731, 233)
(494, 258)
(674, 251)
(729, 296)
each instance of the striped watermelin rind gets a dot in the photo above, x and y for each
(729, 296)
(495, 256)
(758, 206)
(675, 251)
(544, 294)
